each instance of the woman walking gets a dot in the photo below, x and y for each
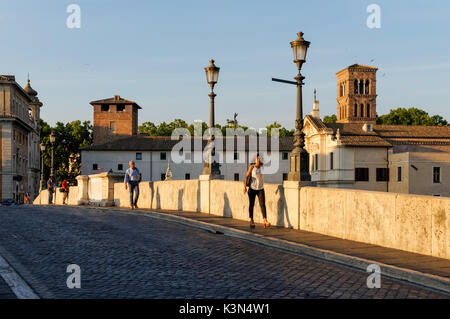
(255, 181)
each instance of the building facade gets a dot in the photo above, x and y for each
(357, 153)
(116, 142)
(20, 138)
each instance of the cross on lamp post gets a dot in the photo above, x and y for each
(211, 167)
(299, 159)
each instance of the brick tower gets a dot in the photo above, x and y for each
(114, 118)
(357, 94)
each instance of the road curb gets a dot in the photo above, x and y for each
(439, 283)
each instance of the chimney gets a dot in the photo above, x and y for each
(116, 97)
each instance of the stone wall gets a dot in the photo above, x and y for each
(419, 224)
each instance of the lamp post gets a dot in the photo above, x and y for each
(41, 187)
(52, 140)
(299, 159)
(212, 76)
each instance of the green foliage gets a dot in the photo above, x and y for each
(411, 116)
(330, 119)
(70, 137)
(283, 132)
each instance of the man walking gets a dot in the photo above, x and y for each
(133, 177)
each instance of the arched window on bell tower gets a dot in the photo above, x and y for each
(361, 87)
(355, 111)
(356, 86)
(368, 111)
(367, 91)
(362, 111)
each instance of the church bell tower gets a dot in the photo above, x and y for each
(357, 94)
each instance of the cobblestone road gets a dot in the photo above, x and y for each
(125, 255)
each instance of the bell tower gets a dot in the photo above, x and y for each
(357, 94)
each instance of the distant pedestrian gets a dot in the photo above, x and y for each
(133, 177)
(27, 199)
(254, 180)
(65, 190)
(51, 190)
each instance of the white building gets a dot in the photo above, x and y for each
(152, 155)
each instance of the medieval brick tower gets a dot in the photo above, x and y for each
(114, 118)
(357, 94)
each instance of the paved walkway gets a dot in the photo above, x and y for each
(416, 262)
(125, 254)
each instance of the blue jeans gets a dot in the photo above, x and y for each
(134, 188)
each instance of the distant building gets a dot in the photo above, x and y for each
(357, 153)
(20, 138)
(116, 142)
(352, 153)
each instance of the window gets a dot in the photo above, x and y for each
(285, 156)
(382, 174)
(162, 156)
(356, 86)
(367, 87)
(356, 110)
(285, 176)
(399, 174)
(362, 174)
(105, 108)
(138, 156)
(368, 110)
(94, 167)
(236, 177)
(187, 176)
(120, 167)
(362, 111)
(316, 162)
(236, 156)
(163, 176)
(112, 126)
(361, 87)
(120, 108)
(436, 175)
(331, 161)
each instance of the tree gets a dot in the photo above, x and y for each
(411, 116)
(283, 132)
(330, 119)
(70, 137)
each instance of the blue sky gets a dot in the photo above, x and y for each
(154, 52)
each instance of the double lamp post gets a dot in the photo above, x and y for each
(299, 158)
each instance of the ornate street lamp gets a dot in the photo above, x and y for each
(212, 77)
(52, 140)
(299, 170)
(41, 187)
(299, 160)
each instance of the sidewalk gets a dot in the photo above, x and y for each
(419, 269)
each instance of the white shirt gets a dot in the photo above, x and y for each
(257, 182)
